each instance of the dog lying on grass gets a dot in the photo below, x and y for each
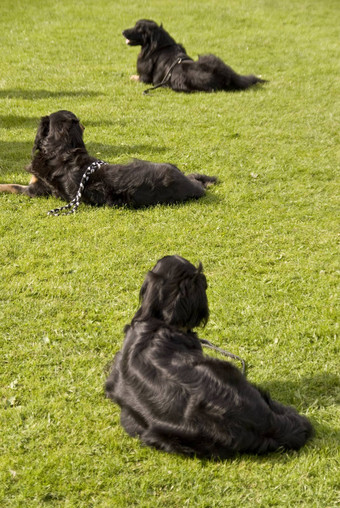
(164, 62)
(59, 160)
(175, 398)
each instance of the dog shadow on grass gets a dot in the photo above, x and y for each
(19, 153)
(315, 394)
(109, 152)
(32, 122)
(16, 93)
(321, 390)
(14, 153)
(19, 122)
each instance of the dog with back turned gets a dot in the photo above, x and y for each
(60, 158)
(178, 400)
(163, 61)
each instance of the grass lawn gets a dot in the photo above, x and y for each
(266, 235)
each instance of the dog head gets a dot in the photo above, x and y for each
(174, 291)
(60, 131)
(147, 33)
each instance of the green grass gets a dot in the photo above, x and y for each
(266, 235)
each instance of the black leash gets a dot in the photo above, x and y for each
(73, 205)
(167, 77)
(209, 345)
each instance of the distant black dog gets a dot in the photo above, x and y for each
(176, 399)
(59, 159)
(163, 61)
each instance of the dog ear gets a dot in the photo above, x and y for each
(199, 270)
(42, 133)
(190, 305)
(149, 297)
(155, 36)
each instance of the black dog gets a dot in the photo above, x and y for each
(163, 61)
(176, 399)
(59, 159)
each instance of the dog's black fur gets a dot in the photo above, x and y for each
(159, 53)
(59, 159)
(175, 398)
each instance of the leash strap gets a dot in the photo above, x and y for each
(73, 205)
(209, 345)
(167, 77)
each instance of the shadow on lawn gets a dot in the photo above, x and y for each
(110, 151)
(14, 121)
(14, 152)
(321, 390)
(45, 94)
(20, 152)
(17, 121)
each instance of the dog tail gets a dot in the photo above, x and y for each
(243, 82)
(205, 180)
(293, 430)
(225, 78)
(289, 430)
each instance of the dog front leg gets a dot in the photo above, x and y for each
(13, 188)
(35, 188)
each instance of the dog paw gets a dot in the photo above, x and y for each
(134, 77)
